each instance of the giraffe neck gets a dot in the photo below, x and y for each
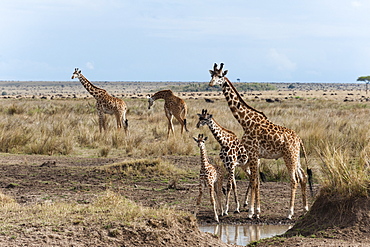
(92, 89)
(204, 157)
(164, 94)
(246, 115)
(218, 132)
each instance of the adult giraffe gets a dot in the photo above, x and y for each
(173, 106)
(105, 103)
(263, 139)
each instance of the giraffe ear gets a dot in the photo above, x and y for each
(195, 139)
(210, 116)
(205, 138)
(211, 72)
(225, 72)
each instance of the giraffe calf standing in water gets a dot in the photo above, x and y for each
(232, 154)
(105, 103)
(173, 106)
(210, 176)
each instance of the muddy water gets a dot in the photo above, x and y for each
(244, 234)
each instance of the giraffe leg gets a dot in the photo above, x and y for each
(303, 181)
(170, 125)
(248, 172)
(254, 186)
(228, 192)
(182, 120)
(219, 193)
(182, 123)
(246, 195)
(118, 120)
(213, 201)
(292, 198)
(233, 183)
(101, 120)
(258, 206)
(229, 187)
(292, 166)
(237, 208)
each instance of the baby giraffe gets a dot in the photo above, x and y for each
(232, 154)
(210, 176)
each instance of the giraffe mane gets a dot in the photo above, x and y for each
(241, 100)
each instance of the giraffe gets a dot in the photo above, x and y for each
(263, 139)
(209, 176)
(173, 106)
(232, 154)
(105, 103)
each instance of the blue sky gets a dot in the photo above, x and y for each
(179, 40)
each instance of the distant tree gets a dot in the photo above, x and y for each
(238, 80)
(366, 79)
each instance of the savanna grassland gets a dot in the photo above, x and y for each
(64, 183)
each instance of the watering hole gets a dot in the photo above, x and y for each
(244, 234)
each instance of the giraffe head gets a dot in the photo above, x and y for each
(218, 77)
(76, 73)
(204, 118)
(200, 140)
(150, 101)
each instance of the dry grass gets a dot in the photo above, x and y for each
(70, 127)
(107, 211)
(342, 174)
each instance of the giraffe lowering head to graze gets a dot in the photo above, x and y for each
(210, 176)
(232, 154)
(263, 139)
(173, 106)
(105, 103)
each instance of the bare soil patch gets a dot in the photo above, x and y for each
(33, 179)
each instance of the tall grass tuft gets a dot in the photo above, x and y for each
(342, 174)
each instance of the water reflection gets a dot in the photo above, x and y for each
(244, 234)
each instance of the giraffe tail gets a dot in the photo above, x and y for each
(224, 191)
(186, 128)
(125, 123)
(309, 173)
(309, 170)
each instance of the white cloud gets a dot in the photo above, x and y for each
(281, 61)
(90, 65)
(356, 4)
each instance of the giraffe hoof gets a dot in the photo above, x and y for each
(236, 212)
